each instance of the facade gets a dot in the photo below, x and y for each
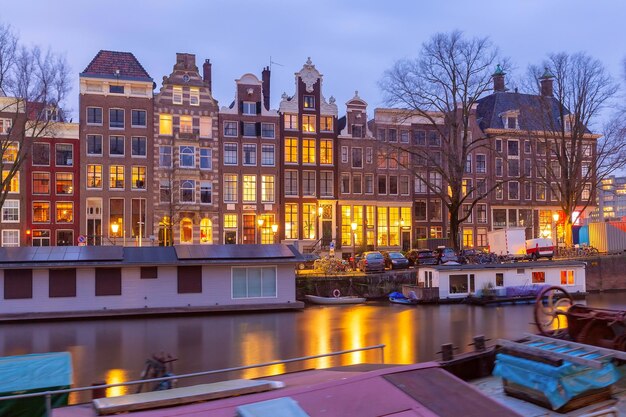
(250, 152)
(611, 200)
(51, 176)
(308, 132)
(186, 156)
(116, 142)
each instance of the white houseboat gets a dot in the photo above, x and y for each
(503, 280)
(41, 282)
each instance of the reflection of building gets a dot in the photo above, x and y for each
(185, 156)
(116, 149)
(250, 162)
(51, 178)
(308, 166)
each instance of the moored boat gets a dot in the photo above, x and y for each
(399, 298)
(335, 300)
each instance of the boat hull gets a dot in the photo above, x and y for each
(334, 300)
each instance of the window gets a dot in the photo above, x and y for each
(326, 184)
(10, 152)
(41, 183)
(165, 191)
(138, 144)
(116, 177)
(404, 184)
(419, 137)
(420, 184)
(499, 279)
(527, 148)
(94, 176)
(10, 239)
(94, 116)
(369, 184)
(381, 135)
(186, 124)
(308, 124)
(326, 123)
(309, 102)
(254, 282)
(138, 118)
(249, 129)
(393, 185)
(433, 138)
(481, 164)
(64, 154)
(459, 283)
(64, 183)
(513, 147)
(404, 136)
(326, 152)
(248, 108)
(291, 221)
(206, 231)
(41, 154)
(41, 212)
(267, 188)
(435, 180)
(94, 145)
(434, 209)
(165, 125)
(528, 191)
(230, 154)
(177, 95)
(499, 192)
(308, 183)
(267, 130)
(291, 183)
(357, 157)
(420, 210)
(116, 89)
(13, 185)
(165, 156)
(587, 150)
(499, 169)
(345, 183)
(344, 154)
(369, 155)
(187, 191)
(393, 135)
(138, 180)
(194, 97)
(41, 238)
(290, 121)
(267, 155)
(187, 156)
(357, 131)
(206, 127)
(481, 213)
(116, 119)
(116, 145)
(382, 184)
(206, 158)
(511, 122)
(230, 129)
(205, 191)
(468, 164)
(513, 167)
(538, 277)
(567, 278)
(541, 192)
(65, 212)
(308, 151)
(249, 154)
(249, 188)
(186, 236)
(230, 188)
(291, 150)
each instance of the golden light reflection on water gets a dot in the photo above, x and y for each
(259, 347)
(401, 337)
(114, 376)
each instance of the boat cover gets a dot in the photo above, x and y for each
(278, 407)
(558, 383)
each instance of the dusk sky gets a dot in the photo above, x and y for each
(351, 42)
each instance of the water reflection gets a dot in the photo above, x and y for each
(116, 350)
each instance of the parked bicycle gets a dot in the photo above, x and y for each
(332, 265)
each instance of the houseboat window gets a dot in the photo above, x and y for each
(254, 282)
(567, 278)
(18, 284)
(458, 284)
(472, 283)
(499, 279)
(108, 281)
(428, 278)
(539, 277)
(149, 272)
(520, 270)
(62, 282)
(189, 279)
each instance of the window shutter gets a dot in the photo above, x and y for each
(240, 107)
(240, 128)
(258, 107)
(258, 128)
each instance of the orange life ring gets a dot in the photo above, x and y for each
(336, 293)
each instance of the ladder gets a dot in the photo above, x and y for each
(578, 353)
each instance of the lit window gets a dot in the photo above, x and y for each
(187, 191)
(116, 177)
(230, 188)
(249, 188)
(291, 121)
(186, 231)
(194, 96)
(326, 123)
(308, 124)
(65, 212)
(291, 221)
(94, 176)
(65, 183)
(14, 184)
(206, 127)
(10, 152)
(138, 178)
(41, 212)
(165, 124)
(567, 278)
(309, 102)
(326, 151)
(230, 221)
(267, 189)
(538, 277)
(291, 150)
(186, 124)
(308, 151)
(206, 231)
(177, 95)
(41, 183)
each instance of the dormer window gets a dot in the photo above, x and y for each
(309, 102)
(116, 89)
(510, 119)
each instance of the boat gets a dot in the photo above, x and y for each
(349, 299)
(399, 298)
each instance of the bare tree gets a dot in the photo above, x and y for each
(575, 89)
(33, 85)
(442, 86)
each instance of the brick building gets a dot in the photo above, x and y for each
(116, 143)
(186, 157)
(250, 155)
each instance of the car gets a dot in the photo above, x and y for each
(309, 261)
(422, 257)
(446, 255)
(395, 260)
(371, 262)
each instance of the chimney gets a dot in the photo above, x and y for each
(498, 79)
(206, 73)
(265, 76)
(547, 83)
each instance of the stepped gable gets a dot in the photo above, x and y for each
(108, 62)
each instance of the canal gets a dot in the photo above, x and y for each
(115, 350)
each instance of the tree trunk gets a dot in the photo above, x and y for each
(568, 235)
(454, 228)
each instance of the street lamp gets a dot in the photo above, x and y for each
(353, 226)
(114, 229)
(274, 230)
(555, 217)
(320, 211)
(260, 222)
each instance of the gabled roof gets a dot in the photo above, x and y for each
(106, 63)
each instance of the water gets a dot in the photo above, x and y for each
(116, 350)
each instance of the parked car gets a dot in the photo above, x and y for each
(446, 255)
(309, 261)
(395, 260)
(422, 257)
(371, 262)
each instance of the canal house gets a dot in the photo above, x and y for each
(114, 280)
(503, 280)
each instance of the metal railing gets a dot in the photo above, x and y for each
(49, 394)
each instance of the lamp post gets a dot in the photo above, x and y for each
(260, 222)
(555, 217)
(274, 230)
(114, 229)
(353, 226)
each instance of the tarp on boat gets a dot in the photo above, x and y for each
(33, 373)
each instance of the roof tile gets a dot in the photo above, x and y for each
(108, 62)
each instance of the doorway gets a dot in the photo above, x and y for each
(406, 240)
(249, 229)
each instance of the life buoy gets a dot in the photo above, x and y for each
(336, 293)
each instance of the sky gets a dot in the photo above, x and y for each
(350, 42)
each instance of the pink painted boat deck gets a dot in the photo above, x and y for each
(422, 390)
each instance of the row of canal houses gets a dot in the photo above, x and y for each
(147, 166)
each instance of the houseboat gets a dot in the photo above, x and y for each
(48, 282)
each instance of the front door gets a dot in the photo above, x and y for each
(406, 240)
(327, 233)
(249, 229)
(230, 237)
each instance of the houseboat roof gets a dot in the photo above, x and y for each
(75, 256)
(508, 265)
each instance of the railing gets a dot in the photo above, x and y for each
(49, 394)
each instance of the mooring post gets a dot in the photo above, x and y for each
(479, 343)
(98, 392)
(447, 353)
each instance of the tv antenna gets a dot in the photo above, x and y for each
(275, 63)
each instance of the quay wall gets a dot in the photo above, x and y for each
(606, 273)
